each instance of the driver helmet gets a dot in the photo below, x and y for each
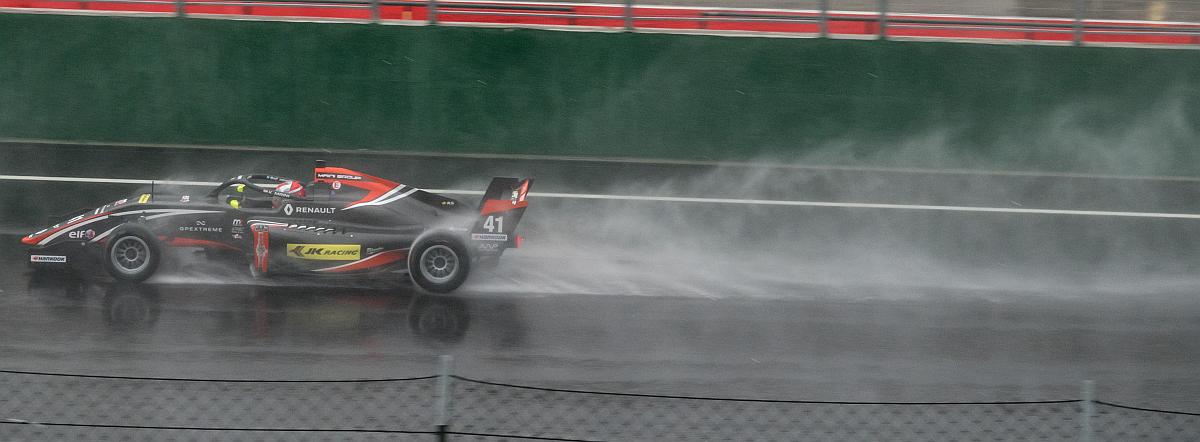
(291, 187)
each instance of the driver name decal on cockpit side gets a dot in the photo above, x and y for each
(339, 176)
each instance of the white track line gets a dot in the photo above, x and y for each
(679, 199)
(617, 160)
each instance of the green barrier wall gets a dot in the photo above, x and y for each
(195, 81)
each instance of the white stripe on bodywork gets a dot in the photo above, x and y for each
(180, 212)
(399, 197)
(69, 228)
(161, 213)
(380, 197)
(385, 198)
(103, 235)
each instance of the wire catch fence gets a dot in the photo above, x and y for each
(1173, 22)
(45, 406)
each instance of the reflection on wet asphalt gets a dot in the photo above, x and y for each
(817, 342)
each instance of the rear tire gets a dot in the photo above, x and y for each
(132, 254)
(439, 263)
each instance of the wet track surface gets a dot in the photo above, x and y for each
(880, 329)
(814, 342)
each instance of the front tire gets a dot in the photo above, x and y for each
(439, 263)
(132, 254)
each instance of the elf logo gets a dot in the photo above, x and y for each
(327, 252)
(82, 234)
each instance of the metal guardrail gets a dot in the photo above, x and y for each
(631, 16)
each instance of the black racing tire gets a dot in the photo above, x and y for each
(132, 253)
(439, 263)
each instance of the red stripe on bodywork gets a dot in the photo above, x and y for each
(497, 206)
(189, 242)
(36, 239)
(374, 185)
(524, 191)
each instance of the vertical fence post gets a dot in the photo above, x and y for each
(628, 15)
(443, 399)
(374, 11)
(180, 10)
(433, 14)
(824, 18)
(1088, 395)
(1080, 12)
(883, 8)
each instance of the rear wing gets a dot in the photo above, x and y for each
(500, 211)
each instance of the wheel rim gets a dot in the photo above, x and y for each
(130, 255)
(439, 263)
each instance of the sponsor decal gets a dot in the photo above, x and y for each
(315, 210)
(237, 236)
(120, 202)
(289, 210)
(336, 185)
(489, 247)
(237, 222)
(261, 251)
(82, 234)
(185, 198)
(448, 203)
(47, 258)
(327, 252)
(145, 198)
(374, 250)
(202, 227)
(489, 237)
(339, 176)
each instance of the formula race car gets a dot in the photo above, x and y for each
(341, 223)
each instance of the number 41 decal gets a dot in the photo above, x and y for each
(494, 224)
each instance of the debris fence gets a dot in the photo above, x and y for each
(50, 406)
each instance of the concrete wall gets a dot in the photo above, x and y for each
(157, 80)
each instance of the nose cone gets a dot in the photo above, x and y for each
(29, 240)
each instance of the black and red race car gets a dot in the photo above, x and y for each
(342, 223)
